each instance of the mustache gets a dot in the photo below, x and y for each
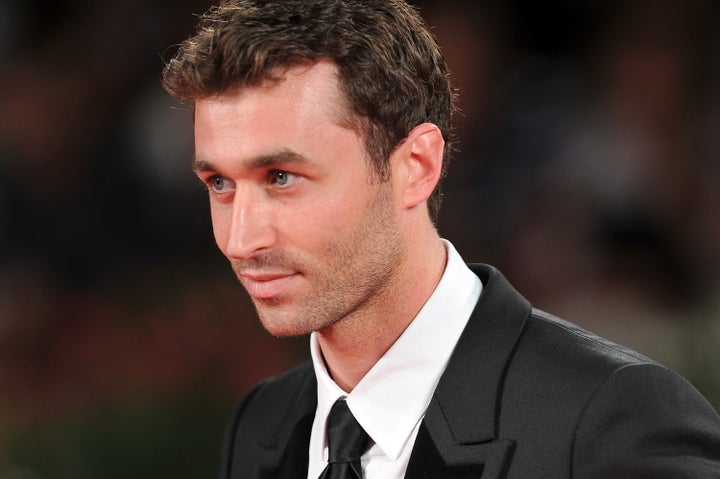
(265, 261)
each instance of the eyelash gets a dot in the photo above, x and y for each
(273, 178)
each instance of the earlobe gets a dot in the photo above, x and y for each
(422, 163)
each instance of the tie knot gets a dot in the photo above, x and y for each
(347, 440)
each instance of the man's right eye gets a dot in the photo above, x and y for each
(219, 184)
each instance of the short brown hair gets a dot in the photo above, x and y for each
(390, 67)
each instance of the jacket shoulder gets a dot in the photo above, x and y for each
(556, 368)
(575, 343)
(595, 409)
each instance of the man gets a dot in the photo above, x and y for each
(321, 132)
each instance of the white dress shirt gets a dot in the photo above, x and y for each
(390, 400)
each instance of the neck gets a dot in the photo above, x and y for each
(351, 347)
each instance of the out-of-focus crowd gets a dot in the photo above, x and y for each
(589, 168)
(588, 171)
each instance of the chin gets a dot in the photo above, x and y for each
(283, 326)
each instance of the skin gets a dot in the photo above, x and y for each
(319, 243)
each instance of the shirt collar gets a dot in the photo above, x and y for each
(392, 397)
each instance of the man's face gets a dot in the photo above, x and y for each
(308, 233)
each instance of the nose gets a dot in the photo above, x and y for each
(250, 226)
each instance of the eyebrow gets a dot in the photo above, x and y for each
(262, 161)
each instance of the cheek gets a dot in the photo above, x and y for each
(324, 223)
(221, 225)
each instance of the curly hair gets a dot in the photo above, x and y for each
(390, 67)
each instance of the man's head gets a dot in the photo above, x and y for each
(390, 69)
(316, 133)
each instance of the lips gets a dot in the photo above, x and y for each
(264, 285)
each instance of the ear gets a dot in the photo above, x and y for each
(418, 164)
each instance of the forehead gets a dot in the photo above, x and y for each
(302, 111)
(300, 91)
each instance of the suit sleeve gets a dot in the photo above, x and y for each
(647, 422)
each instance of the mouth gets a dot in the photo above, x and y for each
(264, 285)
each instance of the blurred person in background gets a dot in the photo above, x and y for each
(322, 132)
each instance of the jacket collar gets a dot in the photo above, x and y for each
(461, 423)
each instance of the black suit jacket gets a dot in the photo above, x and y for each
(525, 395)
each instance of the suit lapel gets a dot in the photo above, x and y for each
(459, 436)
(437, 454)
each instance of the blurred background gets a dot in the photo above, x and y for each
(587, 171)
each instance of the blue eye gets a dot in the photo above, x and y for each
(219, 184)
(282, 178)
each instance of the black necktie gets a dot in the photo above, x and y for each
(347, 441)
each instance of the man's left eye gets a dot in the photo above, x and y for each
(282, 178)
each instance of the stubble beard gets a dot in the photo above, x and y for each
(347, 278)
